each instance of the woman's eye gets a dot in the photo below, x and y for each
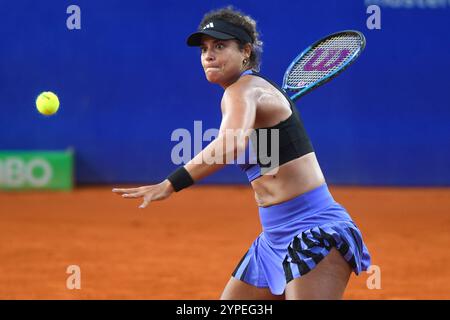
(219, 46)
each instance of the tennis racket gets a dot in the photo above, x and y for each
(322, 61)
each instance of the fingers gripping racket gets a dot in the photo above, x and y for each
(322, 61)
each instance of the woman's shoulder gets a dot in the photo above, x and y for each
(246, 85)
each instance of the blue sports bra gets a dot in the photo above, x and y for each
(293, 141)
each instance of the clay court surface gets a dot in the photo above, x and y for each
(187, 246)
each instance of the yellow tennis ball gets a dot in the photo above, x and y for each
(47, 103)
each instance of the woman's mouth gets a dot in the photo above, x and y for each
(212, 68)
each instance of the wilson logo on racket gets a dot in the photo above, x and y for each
(331, 59)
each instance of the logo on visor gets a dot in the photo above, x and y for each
(209, 25)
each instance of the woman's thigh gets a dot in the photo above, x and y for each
(239, 290)
(326, 281)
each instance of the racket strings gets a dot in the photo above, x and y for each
(324, 59)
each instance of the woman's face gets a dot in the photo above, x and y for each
(222, 60)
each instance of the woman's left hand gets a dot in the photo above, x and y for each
(158, 191)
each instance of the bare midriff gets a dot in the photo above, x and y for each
(288, 181)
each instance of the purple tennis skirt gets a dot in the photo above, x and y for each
(297, 235)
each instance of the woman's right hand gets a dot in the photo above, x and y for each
(158, 191)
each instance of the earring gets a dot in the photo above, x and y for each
(244, 62)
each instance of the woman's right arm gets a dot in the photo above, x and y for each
(238, 118)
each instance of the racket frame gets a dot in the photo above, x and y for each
(350, 59)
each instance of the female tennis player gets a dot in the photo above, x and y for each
(309, 245)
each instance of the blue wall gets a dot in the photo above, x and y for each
(126, 80)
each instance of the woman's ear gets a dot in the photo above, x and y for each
(248, 50)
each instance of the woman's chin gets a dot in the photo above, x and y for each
(213, 77)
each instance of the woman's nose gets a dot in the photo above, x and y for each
(209, 56)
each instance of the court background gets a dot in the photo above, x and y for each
(126, 81)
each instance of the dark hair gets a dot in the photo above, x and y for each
(244, 21)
